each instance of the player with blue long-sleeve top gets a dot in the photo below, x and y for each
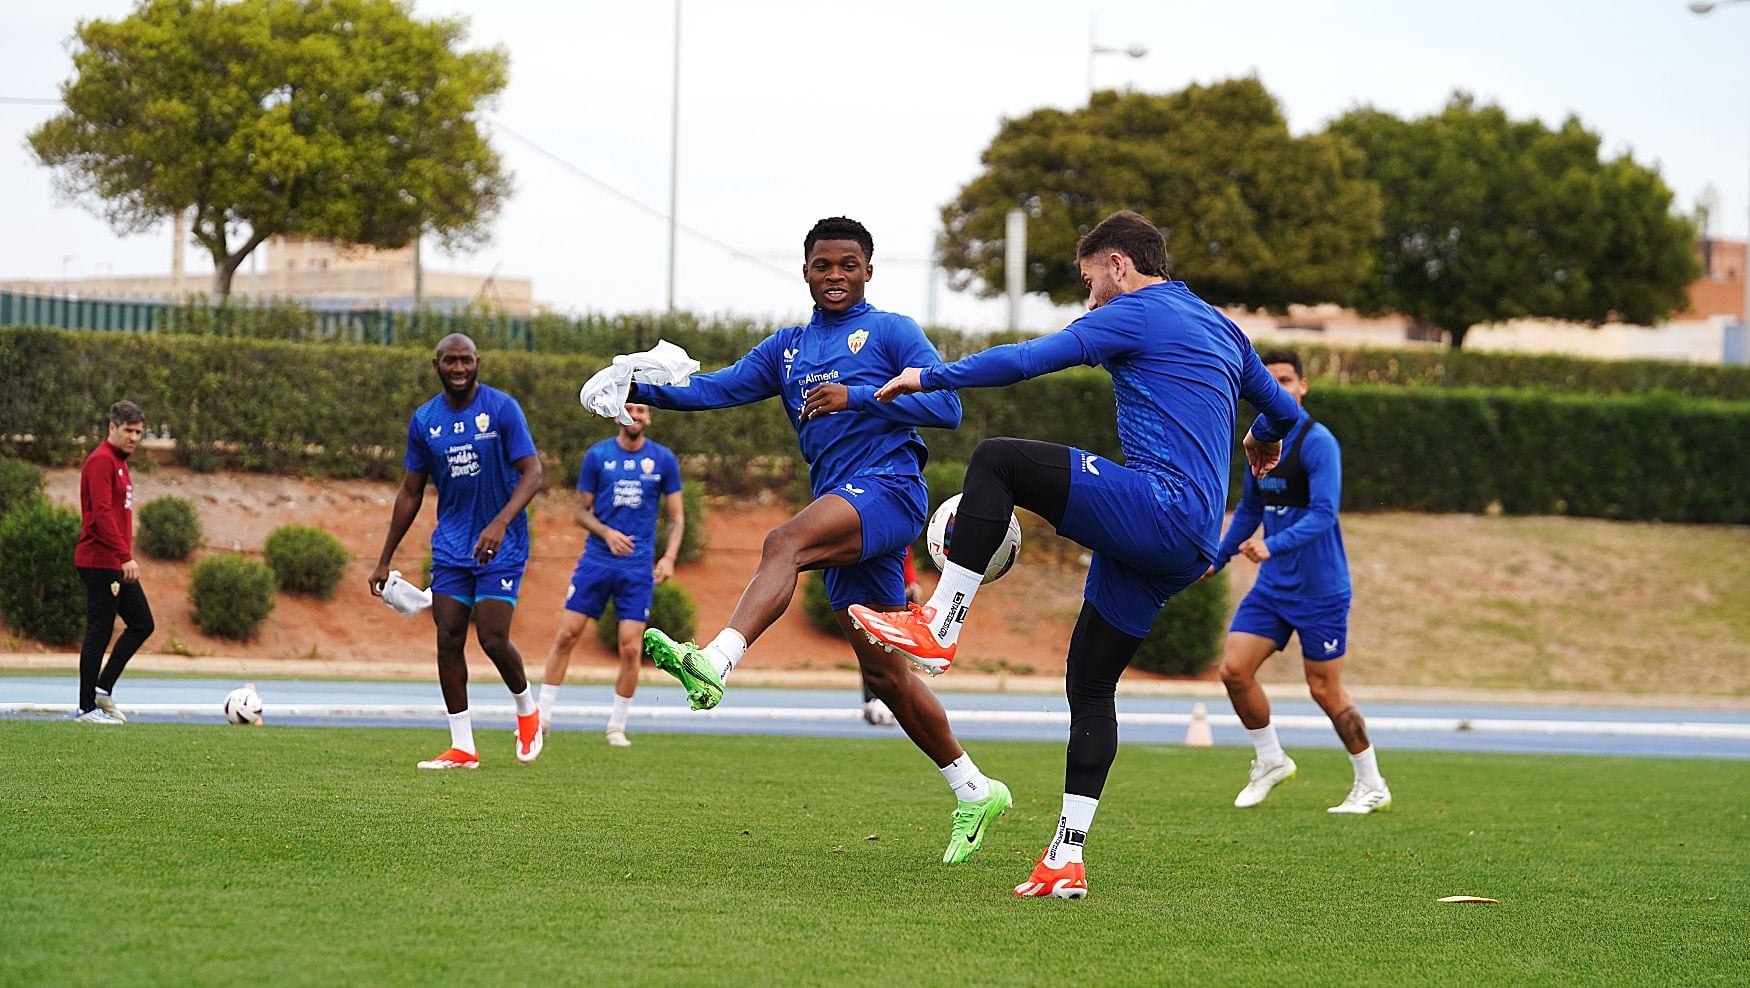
(1302, 589)
(865, 461)
(1178, 369)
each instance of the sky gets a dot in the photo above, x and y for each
(793, 110)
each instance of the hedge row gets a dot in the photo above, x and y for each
(342, 411)
(1536, 372)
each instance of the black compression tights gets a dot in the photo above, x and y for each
(1098, 654)
(1002, 475)
(1008, 473)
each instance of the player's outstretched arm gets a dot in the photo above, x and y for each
(755, 377)
(997, 367)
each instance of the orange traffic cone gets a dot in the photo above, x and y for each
(1198, 735)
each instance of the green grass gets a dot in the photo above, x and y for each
(181, 854)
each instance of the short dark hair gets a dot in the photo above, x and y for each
(125, 412)
(1288, 357)
(840, 228)
(1130, 234)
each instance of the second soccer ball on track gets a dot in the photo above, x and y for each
(940, 535)
(243, 705)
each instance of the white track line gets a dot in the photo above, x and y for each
(848, 715)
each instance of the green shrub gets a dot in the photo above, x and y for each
(306, 560)
(169, 528)
(21, 483)
(1188, 633)
(672, 612)
(695, 539)
(40, 592)
(229, 596)
(817, 604)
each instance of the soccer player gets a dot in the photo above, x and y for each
(104, 558)
(620, 484)
(865, 461)
(1178, 366)
(473, 443)
(1302, 589)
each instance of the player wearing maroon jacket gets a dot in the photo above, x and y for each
(104, 557)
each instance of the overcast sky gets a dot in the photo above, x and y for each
(792, 110)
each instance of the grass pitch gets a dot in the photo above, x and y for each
(180, 854)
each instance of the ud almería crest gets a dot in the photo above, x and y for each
(856, 340)
(481, 421)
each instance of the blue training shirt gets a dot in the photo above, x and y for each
(1178, 368)
(629, 487)
(862, 348)
(1306, 544)
(469, 454)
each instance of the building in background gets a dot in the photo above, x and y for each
(315, 273)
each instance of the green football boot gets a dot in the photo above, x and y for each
(687, 663)
(972, 819)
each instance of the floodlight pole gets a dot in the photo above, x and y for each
(1094, 48)
(674, 155)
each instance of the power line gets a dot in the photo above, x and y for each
(637, 203)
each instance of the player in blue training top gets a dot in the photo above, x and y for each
(865, 461)
(473, 443)
(621, 484)
(1178, 367)
(1302, 590)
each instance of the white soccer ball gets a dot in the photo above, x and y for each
(243, 705)
(940, 535)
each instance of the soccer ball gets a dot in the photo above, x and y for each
(940, 535)
(243, 705)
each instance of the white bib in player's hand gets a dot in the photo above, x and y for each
(404, 597)
(605, 392)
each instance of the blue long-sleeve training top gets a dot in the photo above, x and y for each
(861, 348)
(1306, 544)
(1178, 368)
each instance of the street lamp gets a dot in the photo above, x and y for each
(1703, 7)
(674, 156)
(1094, 48)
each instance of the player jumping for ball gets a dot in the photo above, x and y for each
(1177, 365)
(865, 461)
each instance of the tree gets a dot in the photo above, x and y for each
(343, 120)
(1489, 218)
(1252, 214)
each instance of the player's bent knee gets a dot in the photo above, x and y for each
(1234, 674)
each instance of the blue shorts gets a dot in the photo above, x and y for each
(1321, 622)
(499, 580)
(892, 508)
(1140, 559)
(592, 584)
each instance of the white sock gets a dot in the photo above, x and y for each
(102, 692)
(549, 696)
(1268, 747)
(525, 702)
(1367, 768)
(953, 596)
(617, 719)
(1072, 830)
(462, 732)
(726, 650)
(965, 779)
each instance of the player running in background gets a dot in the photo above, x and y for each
(865, 462)
(1177, 365)
(1302, 589)
(473, 442)
(621, 483)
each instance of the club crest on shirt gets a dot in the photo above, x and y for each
(856, 340)
(481, 421)
(647, 464)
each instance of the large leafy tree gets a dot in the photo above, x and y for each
(1252, 214)
(1488, 218)
(344, 120)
